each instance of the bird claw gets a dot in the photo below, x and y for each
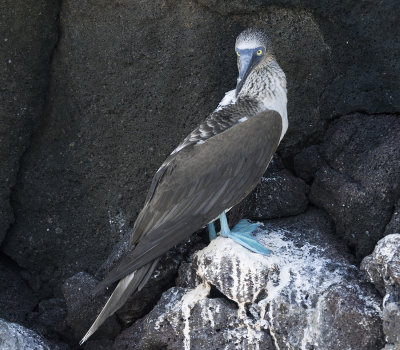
(245, 226)
(241, 234)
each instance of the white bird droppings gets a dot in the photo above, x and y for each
(188, 301)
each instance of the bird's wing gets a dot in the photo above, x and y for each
(224, 117)
(207, 129)
(199, 182)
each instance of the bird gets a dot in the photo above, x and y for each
(215, 167)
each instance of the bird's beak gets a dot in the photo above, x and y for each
(246, 63)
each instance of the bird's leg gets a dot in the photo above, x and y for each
(225, 231)
(241, 234)
(212, 234)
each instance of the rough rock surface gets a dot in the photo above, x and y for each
(48, 319)
(98, 345)
(383, 269)
(279, 194)
(383, 265)
(394, 224)
(14, 336)
(28, 35)
(16, 298)
(308, 162)
(359, 186)
(306, 294)
(82, 307)
(117, 107)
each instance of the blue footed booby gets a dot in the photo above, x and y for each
(216, 166)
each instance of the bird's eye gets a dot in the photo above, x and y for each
(259, 52)
(237, 53)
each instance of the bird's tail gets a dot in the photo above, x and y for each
(126, 286)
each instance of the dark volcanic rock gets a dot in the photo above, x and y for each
(308, 162)
(83, 308)
(279, 194)
(118, 105)
(28, 34)
(394, 224)
(383, 269)
(360, 185)
(48, 318)
(16, 298)
(102, 344)
(306, 294)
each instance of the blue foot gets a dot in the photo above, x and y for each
(246, 226)
(241, 234)
(212, 234)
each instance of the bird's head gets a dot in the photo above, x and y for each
(254, 50)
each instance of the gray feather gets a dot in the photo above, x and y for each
(124, 289)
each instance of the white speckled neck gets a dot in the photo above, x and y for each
(270, 91)
(268, 85)
(278, 103)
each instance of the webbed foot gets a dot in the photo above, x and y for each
(241, 234)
